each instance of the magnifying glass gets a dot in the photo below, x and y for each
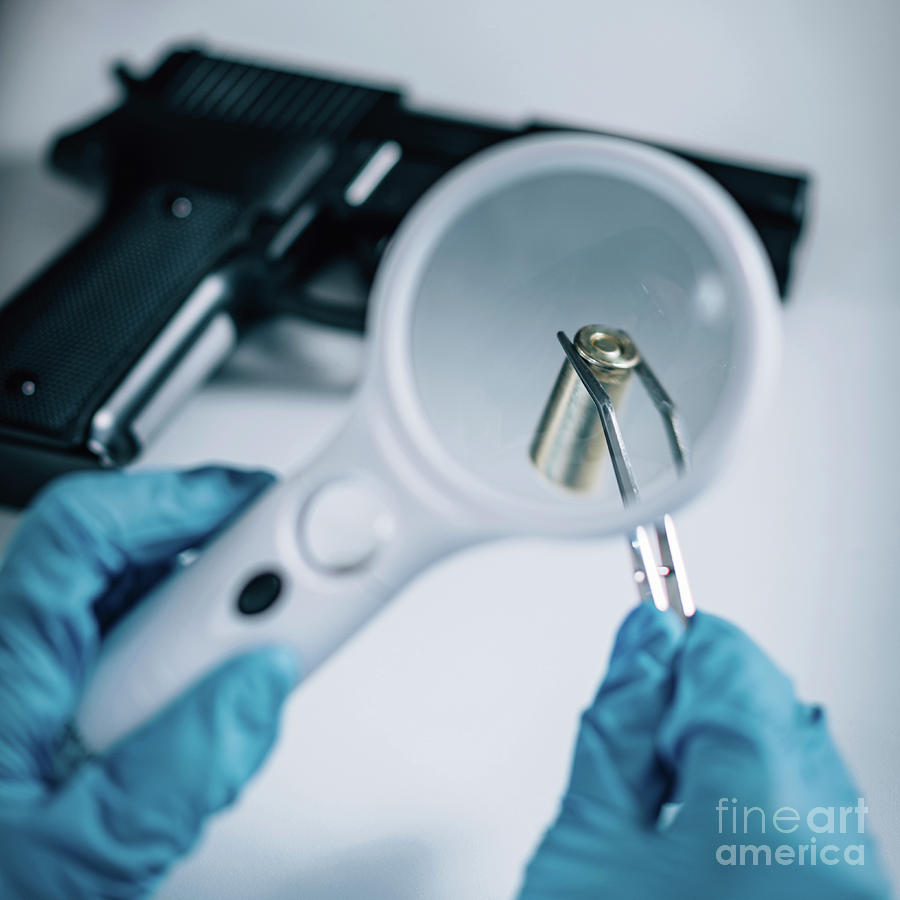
(540, 235)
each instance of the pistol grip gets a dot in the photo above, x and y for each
(73, 335)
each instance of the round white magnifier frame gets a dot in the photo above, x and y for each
(390, 388)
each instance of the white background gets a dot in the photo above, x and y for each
(426, 759)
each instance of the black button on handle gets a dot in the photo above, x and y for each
(259, 593)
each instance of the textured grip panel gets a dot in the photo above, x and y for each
(69, 338)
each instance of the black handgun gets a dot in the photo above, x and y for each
(233, 191)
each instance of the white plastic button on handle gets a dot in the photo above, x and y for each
(343, 525)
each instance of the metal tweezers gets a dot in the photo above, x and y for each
(659, 570)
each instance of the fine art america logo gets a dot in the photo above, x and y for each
(790, 837)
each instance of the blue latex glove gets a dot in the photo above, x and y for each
(113, 825)
(704, 718)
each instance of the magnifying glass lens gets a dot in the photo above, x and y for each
(562, 250)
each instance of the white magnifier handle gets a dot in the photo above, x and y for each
(307, 565)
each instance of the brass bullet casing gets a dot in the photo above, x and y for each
(569, 445)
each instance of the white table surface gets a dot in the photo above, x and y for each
(424, 761)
